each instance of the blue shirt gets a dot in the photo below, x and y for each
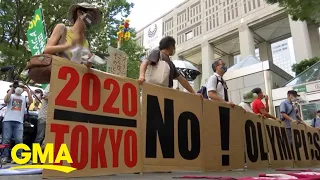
(287, 108)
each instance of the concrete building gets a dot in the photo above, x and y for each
(209, 29)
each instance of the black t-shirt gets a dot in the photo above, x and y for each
(154, 57)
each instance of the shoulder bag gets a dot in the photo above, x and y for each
(159, 73)
(39, 66)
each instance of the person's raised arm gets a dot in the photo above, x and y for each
(52, 46)
(30, 100)
(7, 97)
(267, 103)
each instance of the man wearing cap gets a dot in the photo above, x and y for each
(70, 42)
(12, 125)
(288, 113)
(248, 97)
(257, 105)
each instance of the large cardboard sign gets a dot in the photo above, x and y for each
(256, 142)
(171, 122)
(223, 139)
(280, 154)
(301, 147)
(97, 115)
(314, 144)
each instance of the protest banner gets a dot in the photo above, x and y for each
(300, 145)
(256, 142)
(223, 136)
(36, 34)
(171, 122)
(97, 115)
(280, 154)
(117, 62)
(313, 135)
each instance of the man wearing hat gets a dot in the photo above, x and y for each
(248, 97)
(288, 112)
(12, 125)
(69, 42)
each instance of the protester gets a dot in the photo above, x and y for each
(217, 88)
(163, 52)
(12, 126)
(248, 97)
(316, 121)
(35, 106)
(288, 113)
(257, 105)
(42, 117)
(70, 42)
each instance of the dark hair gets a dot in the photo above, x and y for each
(215, 64)
(256, 90)
(75, 13)
(166, 42)
(318, 111)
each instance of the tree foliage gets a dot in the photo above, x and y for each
(304, 64)
(308, 10)
(16, 14)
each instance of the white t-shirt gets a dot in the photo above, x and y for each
(16, 108)
(213, 86)
(246, 107)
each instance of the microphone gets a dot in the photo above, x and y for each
(6, 68)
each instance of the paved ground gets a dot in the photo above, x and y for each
(154, 176)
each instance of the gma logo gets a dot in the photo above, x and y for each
(47, 156)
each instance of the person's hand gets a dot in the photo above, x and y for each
(141, 80)
(26, 89)
(88, 64)
(266, 97)
(232, 104)
(278, 120)
(199, 94)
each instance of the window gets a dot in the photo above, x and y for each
(189, 35)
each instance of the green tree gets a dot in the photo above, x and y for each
(134, 53)
(16, 14)
(304, 64)
(308, 10)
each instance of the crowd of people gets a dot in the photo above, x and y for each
(15, 114)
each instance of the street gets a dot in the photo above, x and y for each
(161, 176)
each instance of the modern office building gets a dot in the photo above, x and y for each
(209, 29)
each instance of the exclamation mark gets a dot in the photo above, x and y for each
(224, 114)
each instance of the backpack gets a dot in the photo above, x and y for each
(203, 89)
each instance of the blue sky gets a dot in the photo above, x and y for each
(146, 11)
